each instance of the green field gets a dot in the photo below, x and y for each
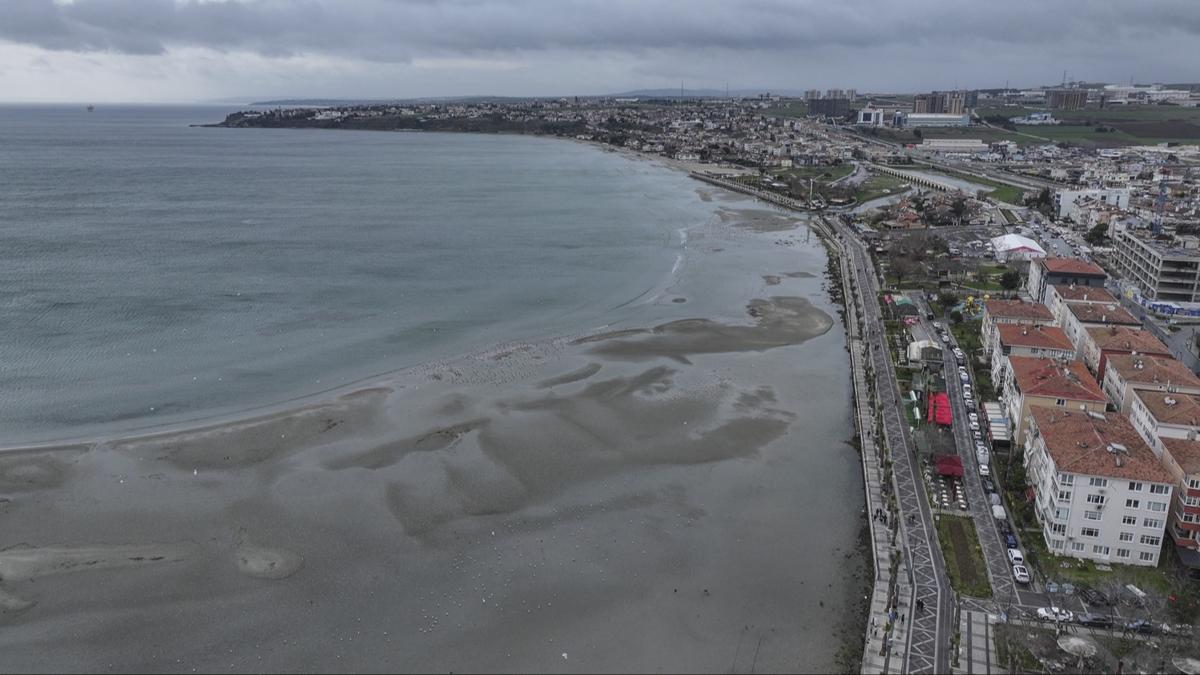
(878, 185)
(964, 559)
(787, 109)
(1134, 125)
(1000, 191)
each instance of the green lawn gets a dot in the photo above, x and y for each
(1135, 125)
(968, 335)
(787, 109)
(1010, 216)
(822, 173)
(964, 558)
(878, 185)
(1000, 191)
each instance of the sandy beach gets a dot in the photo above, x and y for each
(659, 495)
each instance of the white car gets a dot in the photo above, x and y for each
(1021, 576)
(964, 377)
(984, 471)
(1055, 614)
(973, 416)
(1015, 557)
(982, 458)
(974, 425)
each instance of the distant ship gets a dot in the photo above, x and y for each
(91, 108)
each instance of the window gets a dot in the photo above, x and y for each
(1058, 528)
(1126, 536)
(1191, 501)
(1193, 483)
(1060, 401)
(1098, 482)
(1064, 495)
(1077, 546)
(1135, 487)
(1056, 544)
(1157, 507)
(1132, 504)
(1061, 514)
(1153, 523)
(1089, 532)
(1148, 540)
(1100, 550)
(1092, 515)
(1095, 499)
(1122, 553)
(1128, 520)
(1188, 517)
(1159, 489)
(1146, 556)
(1069, 479)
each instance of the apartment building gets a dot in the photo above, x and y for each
(1126, 373)
(1011, 312)
(1100, 492)
(1078, 317)
(1102, 343)
(1181, 458)
(1048, 342)
(1047, 383)
(1058, 297)
(1157, 414)
(1047, 272)
(1161, 273)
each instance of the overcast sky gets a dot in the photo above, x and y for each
(198, 50)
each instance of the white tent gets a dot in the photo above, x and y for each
(1016, 247)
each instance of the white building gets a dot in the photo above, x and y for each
(1100, 492)
(1080, 316)
(1068, 201)
(1016, 247)
(936, 120)
(1126, 373)
(1014, 312)
(1058, 297)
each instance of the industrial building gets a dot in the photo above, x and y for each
(935, 120)
(1067, 99)
(1162, 273)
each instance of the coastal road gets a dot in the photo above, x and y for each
(929, 637)
(995, 553)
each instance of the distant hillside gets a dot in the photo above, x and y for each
(702, 93)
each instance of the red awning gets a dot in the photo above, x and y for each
(938, 409)
(949, 465)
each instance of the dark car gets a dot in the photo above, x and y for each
(1094, 597)
(1140, 626)
(988, 485)
(1009, 540)
(1094, 620)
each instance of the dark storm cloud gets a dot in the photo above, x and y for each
(382, 30)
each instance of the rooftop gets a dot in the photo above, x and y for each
(1171, 407)
(1185, 453)
(1073, 293)
(1072, 266)
(1087, 312)
(1153, 369)
(1097, 445)
(1043, 337)
(1017, 309)
(1053, 378)
(1124, 338)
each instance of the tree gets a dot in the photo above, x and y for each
(947, 299)
(901, 266)
(956, 317)
(1010, 280)
(1097, 236)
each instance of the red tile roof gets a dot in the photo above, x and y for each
(1044, 337)
(1082, 443)
(1073, 293)
(1154, 369)
(1051, 378)
(1016, 309)
(1123, 338)
(1087, 312)
(1072, 266)
(1171, 408)
(1185, 453)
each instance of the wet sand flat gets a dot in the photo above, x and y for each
(672, 493)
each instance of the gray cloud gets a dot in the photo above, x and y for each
(396, 30)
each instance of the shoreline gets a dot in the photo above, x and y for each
(593, 425)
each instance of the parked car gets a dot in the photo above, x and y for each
(973, 416)
(988, 485)
(1020, 574)
(964, 377)
(974, 425)
(1015, 557)
(1094, 597)
(963, 370)
(1010, 540)
(1094, 620)
(984, 472)
(1055, 614)
(1142, 626)
(982, 457)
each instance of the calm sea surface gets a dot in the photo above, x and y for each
(153, 272)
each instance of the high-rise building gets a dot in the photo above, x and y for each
(835, 93)
(954, 102)
(830, 107)
(812, 94)
(1067, 99)
(852, 94)
(942, 102)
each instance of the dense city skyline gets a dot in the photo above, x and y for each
(164, 50)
